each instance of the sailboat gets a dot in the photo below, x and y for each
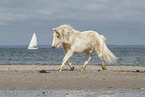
(33, 42)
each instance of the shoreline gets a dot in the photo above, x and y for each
(28, 77)
(66, 67)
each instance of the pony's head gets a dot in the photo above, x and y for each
(61, 34)
(56, 39)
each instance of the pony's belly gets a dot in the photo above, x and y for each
(83, 51)
(79, 52)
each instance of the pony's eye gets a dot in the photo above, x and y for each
(57, 36)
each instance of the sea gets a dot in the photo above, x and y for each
(129, 55)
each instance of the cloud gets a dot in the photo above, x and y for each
(88, 10)
(101, 15)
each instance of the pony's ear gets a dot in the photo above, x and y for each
(58, 33)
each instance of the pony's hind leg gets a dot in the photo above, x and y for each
(70, 65)
(102, 62)
(100, 55)
(88, 57)
(103, 65)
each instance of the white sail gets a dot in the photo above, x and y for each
(33, 43)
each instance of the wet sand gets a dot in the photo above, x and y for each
(28, 77)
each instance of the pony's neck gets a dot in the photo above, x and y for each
(75, 33)
(70, 39)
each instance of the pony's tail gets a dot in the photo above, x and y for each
(108, 56)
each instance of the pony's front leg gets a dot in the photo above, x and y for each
(70, 65)
(65, 59)
(88, 57)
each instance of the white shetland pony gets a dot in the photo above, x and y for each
(75, 42)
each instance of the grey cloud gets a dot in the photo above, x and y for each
(106, 16)
(18, 10)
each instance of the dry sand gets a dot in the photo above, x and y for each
(28, 77)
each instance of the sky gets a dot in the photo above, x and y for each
(122, 22)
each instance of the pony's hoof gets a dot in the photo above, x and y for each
(104, 68)
(82, 69)
(72, 68)
(60, 70)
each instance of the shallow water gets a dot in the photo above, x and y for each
(73, 93)
(134, 56)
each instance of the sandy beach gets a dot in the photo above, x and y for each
(23, 77)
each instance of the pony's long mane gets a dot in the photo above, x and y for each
(66, 32)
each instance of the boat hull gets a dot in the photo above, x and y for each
(32, 48)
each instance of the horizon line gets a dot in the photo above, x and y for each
(107, 44)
